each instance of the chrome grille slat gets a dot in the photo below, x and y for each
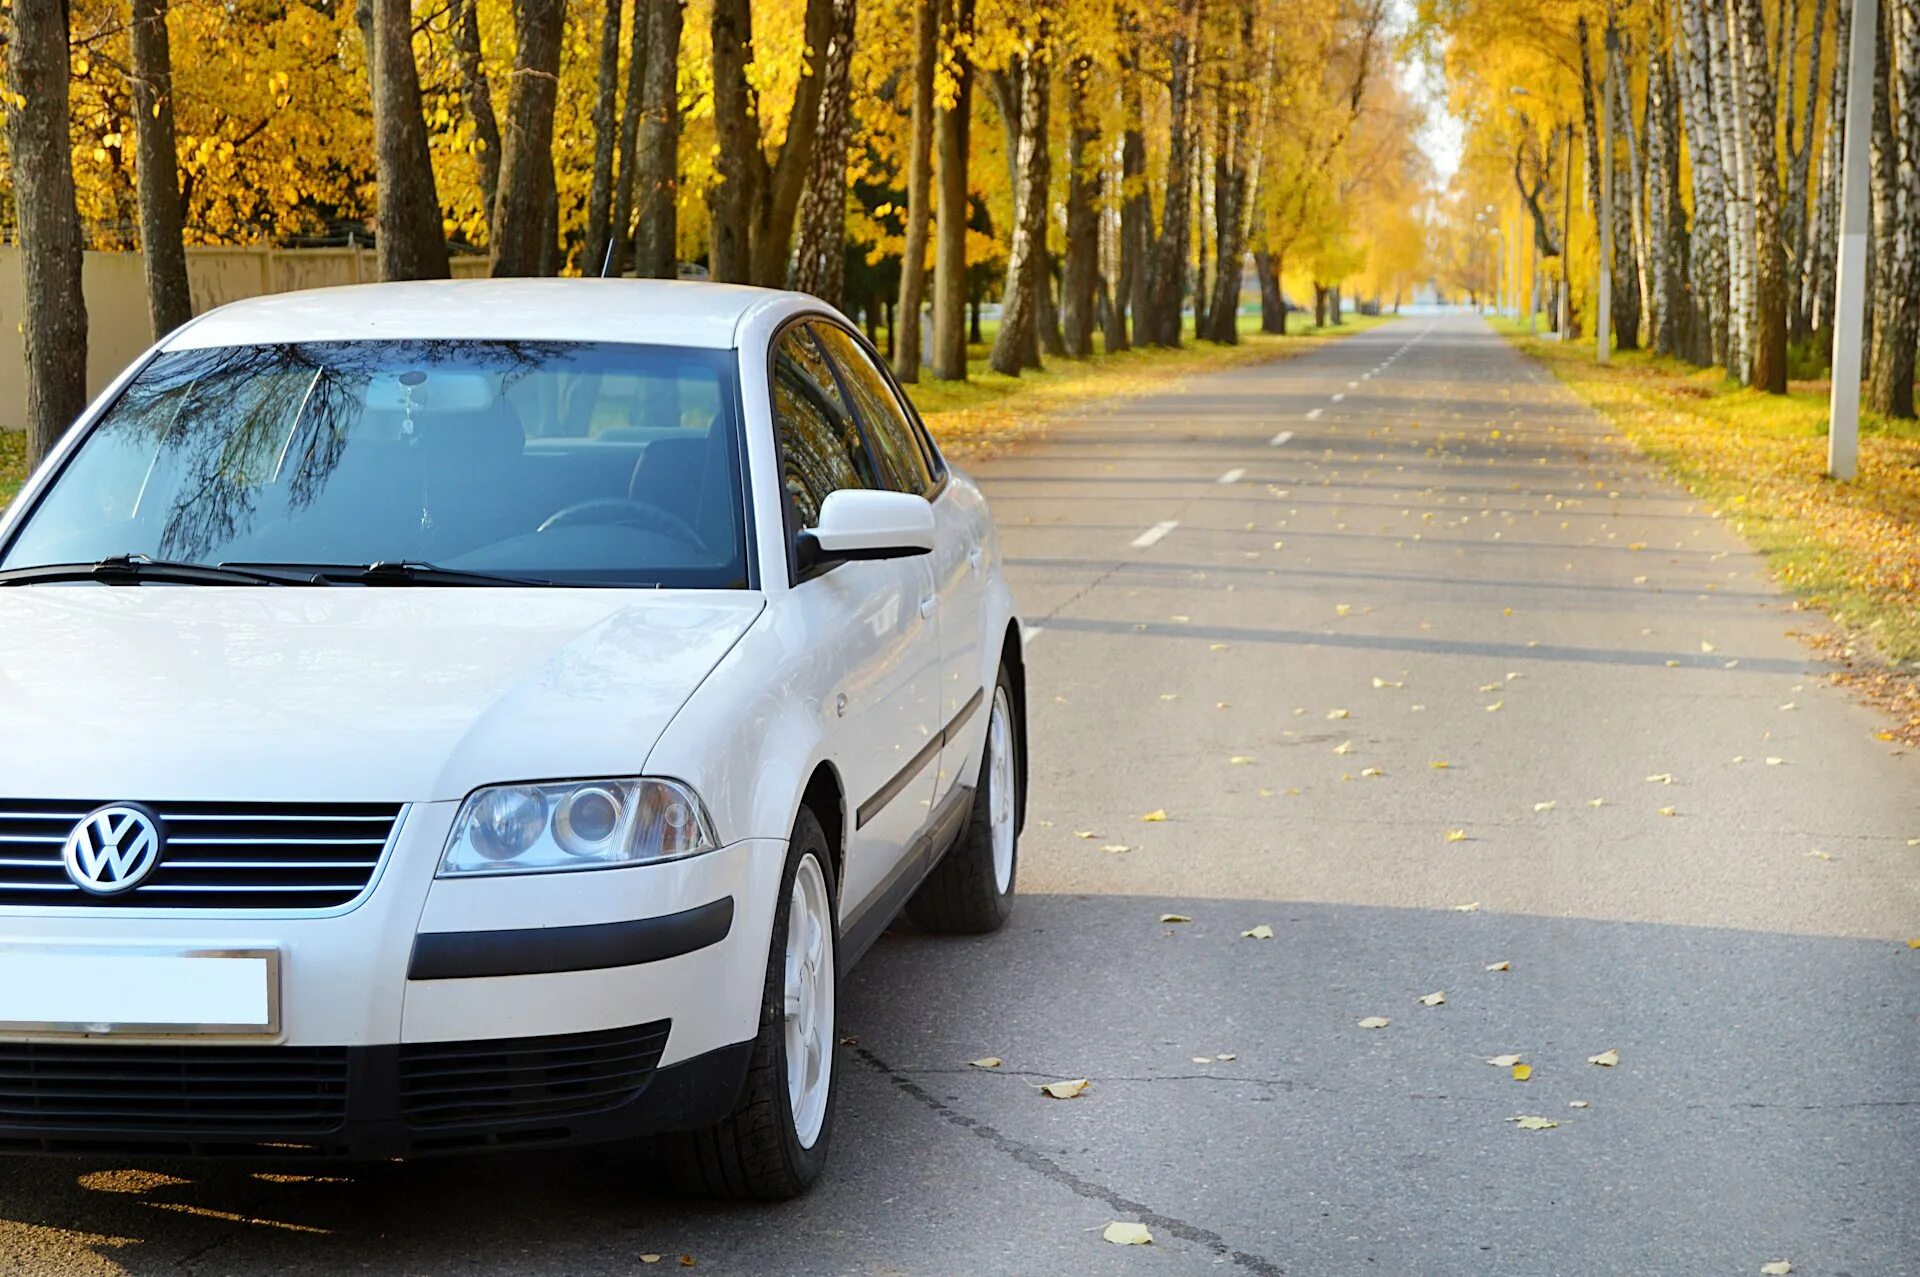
(251, 856)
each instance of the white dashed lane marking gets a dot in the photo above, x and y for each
(1314, 414)
(1284, 435)
(1154, 533)
(1231, 476)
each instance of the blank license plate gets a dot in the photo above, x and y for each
(139, 991)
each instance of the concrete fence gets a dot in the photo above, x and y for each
(116, 292)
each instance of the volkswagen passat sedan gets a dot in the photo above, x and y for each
(477, 715)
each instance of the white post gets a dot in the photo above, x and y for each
(1850, 290)
(1603, 312)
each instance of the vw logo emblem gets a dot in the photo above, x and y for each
(112, 849)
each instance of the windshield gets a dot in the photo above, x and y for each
(564, 462)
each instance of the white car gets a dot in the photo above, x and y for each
(538, 694)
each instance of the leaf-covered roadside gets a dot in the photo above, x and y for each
(1849, 549)
(13, 463)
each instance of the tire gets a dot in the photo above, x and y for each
(760, 1152)
(970, 892)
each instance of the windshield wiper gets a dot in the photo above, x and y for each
(390, 572)
(138, 569)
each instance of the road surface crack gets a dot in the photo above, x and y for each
(1034, 1160)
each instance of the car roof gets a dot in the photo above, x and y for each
(659, 312)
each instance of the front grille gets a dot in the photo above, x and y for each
(218, 855)
(119, 1088)
(518, 1079)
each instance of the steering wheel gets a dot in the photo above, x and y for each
(602, 510)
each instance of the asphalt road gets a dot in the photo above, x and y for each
(1405, 550)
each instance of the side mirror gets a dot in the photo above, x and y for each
(857, 523)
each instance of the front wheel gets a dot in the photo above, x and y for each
(774, 1144)
(971, 890)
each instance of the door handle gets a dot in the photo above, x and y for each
(928, 604)
(976, 557)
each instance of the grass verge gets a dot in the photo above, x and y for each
(1850, 549)
(988, 411)
(13, 463)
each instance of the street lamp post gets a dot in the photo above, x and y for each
(1850, 290)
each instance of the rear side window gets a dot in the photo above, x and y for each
(821, 450)
(903, 467)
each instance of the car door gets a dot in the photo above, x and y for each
(875, 620)
(905, 464)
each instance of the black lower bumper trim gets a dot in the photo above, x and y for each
(691, 1094)
(465, 955)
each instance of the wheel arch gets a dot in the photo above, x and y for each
(826, 797)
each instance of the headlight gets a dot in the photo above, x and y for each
(595, 824)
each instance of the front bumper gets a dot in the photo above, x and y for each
(546, 1009)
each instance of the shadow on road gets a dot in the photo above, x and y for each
(1236, 1105)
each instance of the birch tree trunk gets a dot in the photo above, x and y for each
(1015, 343)
(820, 261)
(1824, 237)
(411, 242)
(1730, 125)
(656, 170)
(1081, 272)
(1890, 384)
(1708, 262)
(51, 247)
(1665, 219)
(913, 260)
(163, 251)
(1800, 161)
(950, 290)
(520, 208)
(605, 135)
(1768, 357)
(1638, 293)
(477, 97)
(1880, 187)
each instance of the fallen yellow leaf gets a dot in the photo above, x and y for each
(1343, 609)
(1775, 762)
(1434, 1000)
(1578, 1104)
(1375, 1022)
(1472, 906)
(649, 1259)
(1175, 917)
(1521, 1072)
(1548, 805)
(1065, 1090)
(1344, 747)
(1606, 1059)
(1668, 811)
(1085, 833)
(986, 1062)
(1261, 932)
(1121, 1233)
(1371, 771)
(1778, 1268)
(1530, 1123)
(1336, 713)
(1456, 835)
(1500, 966)
(1663, 778)
(1116, 846)
(1156, 816)
(1439, 764)
(1819, 855)
(1503, 1061)
(1496, 705)
(1239, 760)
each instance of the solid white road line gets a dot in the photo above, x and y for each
(1342, 395)
(1283, 436)
(1313, 414)
(1231, 476)
(1154, 533)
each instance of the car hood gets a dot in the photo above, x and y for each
(343, 694)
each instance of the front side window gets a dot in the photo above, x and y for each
(561, 462)
(821, 450)
(902, 466)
